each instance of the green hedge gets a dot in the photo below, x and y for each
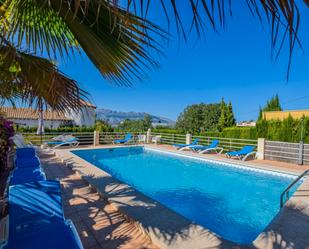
(288, 130)
(60, 129)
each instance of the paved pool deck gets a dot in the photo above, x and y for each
(167, 229)
(99, 224)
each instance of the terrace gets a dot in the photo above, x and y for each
(108, 213)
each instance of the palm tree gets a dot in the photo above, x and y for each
(35, 80)
(118, 39)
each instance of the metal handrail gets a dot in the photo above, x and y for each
(286, 191)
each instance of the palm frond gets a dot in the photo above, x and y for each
(41, 29)
(282, 16)
(116, 41)
(36, 80)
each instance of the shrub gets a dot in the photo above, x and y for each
(6, 132)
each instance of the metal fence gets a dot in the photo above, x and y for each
(169, 138)
(287, 152)
(227, 144)
(273, 150)
(109, 137)
(84, 138)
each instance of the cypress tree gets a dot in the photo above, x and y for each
(230, 119)
(222, 120)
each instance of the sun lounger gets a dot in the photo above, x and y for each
(26, 158)
(185, 146)
(25, 152)
(201, 149)
(127, 139)
(242, 154)
(156, 139)
(141, 138)
(26, 175)
(20, 141)
(72, 142)
(54, 236)
(36, 218)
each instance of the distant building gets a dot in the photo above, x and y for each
(246, 124)
(280, 115)
(28, 117)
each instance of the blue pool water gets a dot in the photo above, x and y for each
(237, 204)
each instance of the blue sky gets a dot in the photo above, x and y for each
(235, 64)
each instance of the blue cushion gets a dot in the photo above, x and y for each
(54, 236)
(27, 162)
(36, 218)
(26, 175)
(25, 152)
(34, 204)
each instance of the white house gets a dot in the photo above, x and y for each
(85, 116)
(28, 117)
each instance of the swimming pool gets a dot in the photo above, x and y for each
(235, 202)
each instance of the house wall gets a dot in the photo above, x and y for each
(86, 116)
(297, 114)
(34, 123)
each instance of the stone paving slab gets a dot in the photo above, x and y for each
(99, 224)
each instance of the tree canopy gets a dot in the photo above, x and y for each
(135, 125)
(273, 104)
(199, 118)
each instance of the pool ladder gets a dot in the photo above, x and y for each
(286, 192)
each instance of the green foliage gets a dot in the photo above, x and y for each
(135, 125)
(59, 129)
(288, 130)
(199, 118)
(101, 125)
(227, 118)
(6, 132)
(273, 104)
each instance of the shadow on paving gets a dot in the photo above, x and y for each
(98, 223)
(289, 230)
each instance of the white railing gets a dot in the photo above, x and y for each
(272, 150)
(84, 138)
(227, 144)
(109, 137)
(169, 138)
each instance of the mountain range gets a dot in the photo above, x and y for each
(116, 117)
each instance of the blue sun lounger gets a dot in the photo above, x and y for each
(26, 175)
(55, 236)
(27, 152)
(213, 146)
(127, 139)
(26, 158)
(243, 154)
(184, 146)
(36, 218)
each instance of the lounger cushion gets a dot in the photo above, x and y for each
(27, 162)
(55, 236)
(26, 175)
(63, 142)
(34, 205)
(25, 152)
